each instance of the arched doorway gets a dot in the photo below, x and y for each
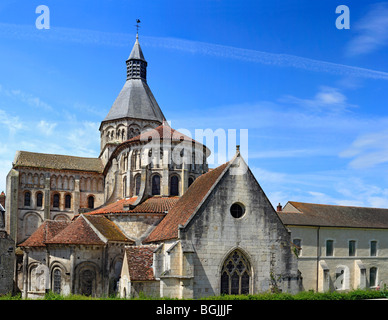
(236, 274)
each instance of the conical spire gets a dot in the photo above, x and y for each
(136, 64)
(135, 99)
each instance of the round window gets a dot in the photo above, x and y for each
(237, 210)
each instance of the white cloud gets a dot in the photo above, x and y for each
(368, 150)
(59, 34)
(13, 124)
(372, 31)
(327, 99)
(25, 97)
(46, 128)
(84, 140)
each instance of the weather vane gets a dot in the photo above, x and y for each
(137, 25)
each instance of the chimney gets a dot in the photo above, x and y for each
(279, 208)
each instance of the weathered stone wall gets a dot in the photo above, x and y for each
(136, 225)
(7, 260)
(259, 235)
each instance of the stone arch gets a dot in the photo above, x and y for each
(61, 217)
(65, 183)
(58, 277)
(23, 178)
(115, 273)
(31, 222)
(53, 182)
(236, 274)
(41, 180)
(87, 278)
(71, 183)
(37, 275)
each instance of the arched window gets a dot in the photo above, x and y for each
(68, 201)
(156, 184)
(137, 184)
(174, 186)
(191, 180)
(87, 279)
(124, 186)
(90, 202)
(235, 274)
(27, 198)
(39, 199)
(56, 200)
(57, 281)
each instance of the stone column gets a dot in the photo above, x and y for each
(47, 195)
(76, 194)
(25, 273)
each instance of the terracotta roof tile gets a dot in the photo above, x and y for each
(163, 132)
(78, 232)
(155, 204)
(311, 214)
(46, 231)
(186, 206)
(140, 260)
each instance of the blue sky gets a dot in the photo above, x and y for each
(313, 97)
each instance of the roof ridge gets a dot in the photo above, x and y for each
(336, 205)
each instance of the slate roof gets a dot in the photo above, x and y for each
(56, 161)
(155, 204)
(311, 214)
(136, 52)
(135, 100)
(140, 259)
(46, 231)
(187, 205)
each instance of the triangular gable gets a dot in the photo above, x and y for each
(78, 232)
(107, 229)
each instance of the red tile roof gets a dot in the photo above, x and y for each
(46, 231)
(78, 232)
(155, 204)
(187, 205)
(81, 232)
(140, 260)
(163, 132)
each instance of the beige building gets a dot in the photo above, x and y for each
(338, 247)
(146, 215)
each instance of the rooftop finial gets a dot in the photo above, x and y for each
(137, 28)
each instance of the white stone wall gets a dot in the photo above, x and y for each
(313, 254)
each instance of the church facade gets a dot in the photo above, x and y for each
(147, 215)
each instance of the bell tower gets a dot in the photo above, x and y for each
(135, 109)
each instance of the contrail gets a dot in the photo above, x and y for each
(90, 37)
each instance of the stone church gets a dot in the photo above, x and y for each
(146, 215)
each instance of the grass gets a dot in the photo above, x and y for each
(304, 295)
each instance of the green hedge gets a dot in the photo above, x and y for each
(304, 295)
